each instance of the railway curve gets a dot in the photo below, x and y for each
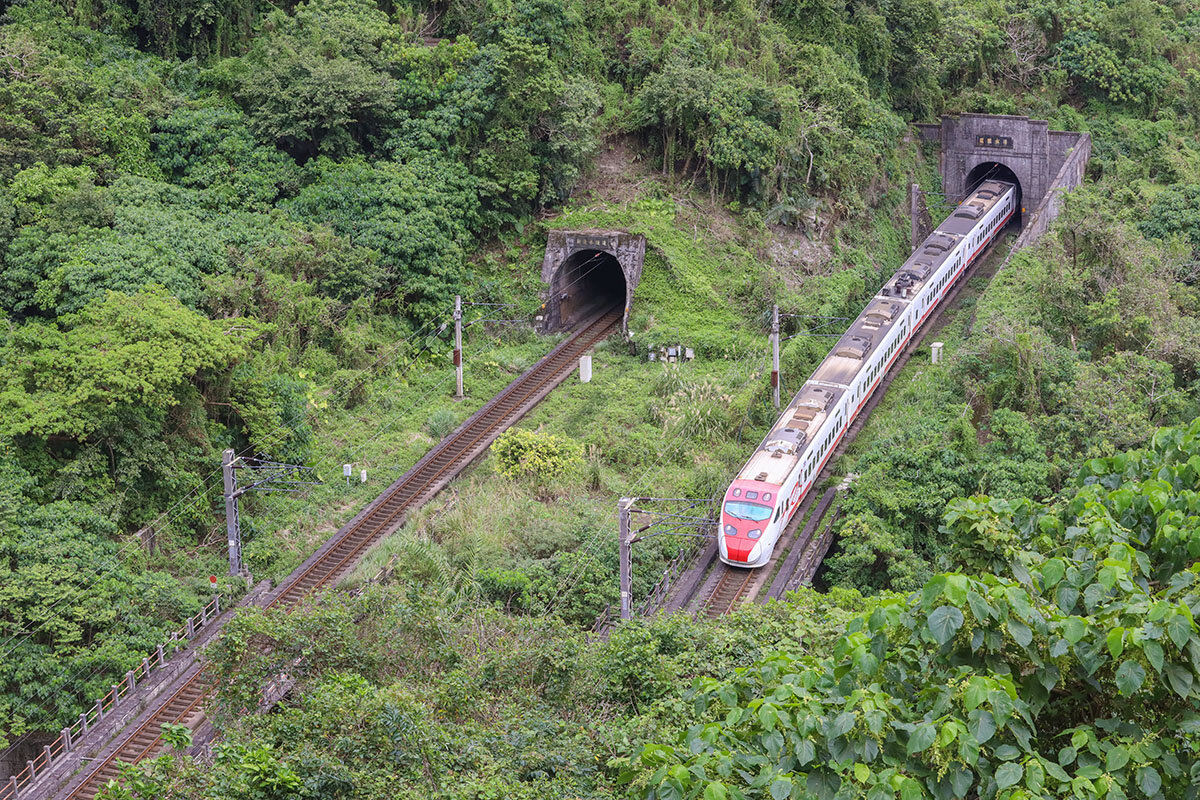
(183, 704)
(714, 588)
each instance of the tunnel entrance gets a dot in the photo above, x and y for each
(587, 271)
(589, 281)
(994, 170)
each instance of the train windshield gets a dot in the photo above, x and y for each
(751, 511)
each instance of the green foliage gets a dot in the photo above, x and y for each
(75, 377)
(1050, 677)
(317, 80)
(508, 589)
(540, 457)
(73, 604)
(1175, 212)
(870, 556)
(274, 411)
(220, 221)
(212, 150)
(441, 423)
(771, 136)
(417, 216)
(177, 737)
(70, 96)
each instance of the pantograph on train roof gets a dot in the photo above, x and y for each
(858, 342)
(793, 432)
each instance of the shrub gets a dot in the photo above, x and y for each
(508, 588)
(539, 456)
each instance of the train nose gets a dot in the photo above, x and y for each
(738, 546)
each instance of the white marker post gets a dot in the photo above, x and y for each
(458, 375)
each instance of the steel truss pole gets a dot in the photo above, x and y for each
(626, 552)
(232, 528)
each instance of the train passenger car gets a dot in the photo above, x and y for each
(764, 496)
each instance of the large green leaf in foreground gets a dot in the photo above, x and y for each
(1069, 672)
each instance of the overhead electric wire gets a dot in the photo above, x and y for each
(26, 632)
(590, 550)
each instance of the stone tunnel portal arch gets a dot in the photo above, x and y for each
(994, 170)
(587, 271)
(588, 281)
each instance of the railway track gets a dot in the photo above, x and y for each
(182, 707)
(777, 575)
(383, 516)
(729, 591)
(440, 464)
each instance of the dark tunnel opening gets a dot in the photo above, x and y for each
(994, 170)
(587, 282)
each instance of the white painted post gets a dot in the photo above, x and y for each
(935, 352)
(458, 367)
(585, 368)
(362, 476)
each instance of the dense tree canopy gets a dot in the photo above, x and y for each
(1053, 665)
(242, 224)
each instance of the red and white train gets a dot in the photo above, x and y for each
(767, 491)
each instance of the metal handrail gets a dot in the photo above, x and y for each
(11, 790)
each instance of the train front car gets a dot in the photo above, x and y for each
(748, 532)
(768, 490)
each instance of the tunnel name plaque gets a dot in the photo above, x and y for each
(575, 241)
(988, 140)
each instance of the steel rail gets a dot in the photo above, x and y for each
(380, 518)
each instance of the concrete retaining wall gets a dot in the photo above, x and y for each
(1070, 175)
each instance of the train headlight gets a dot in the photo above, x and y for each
(730, 530)
(754, 534)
